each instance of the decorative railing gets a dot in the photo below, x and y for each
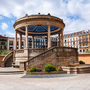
(6, 58)
(37, 50)
(60, 51)
(20, 51)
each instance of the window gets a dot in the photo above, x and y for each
(1, 47)
(80, 45)
(83, 40)
(83, 50)
(11, 43)
(86, 44)
(4, 47)
(80, 50)
(75, 34)
(1, 43)
(73, 43)
(21, 43)
(72, 35)
(83, 37)
(69, 35)
(17, 44)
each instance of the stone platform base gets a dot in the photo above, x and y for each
(78, 69)
(46, 73)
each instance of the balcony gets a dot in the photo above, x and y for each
(83, 42)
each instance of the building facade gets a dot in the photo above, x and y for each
(39, 42)
(54, 41)
(84, 41)
(72, 39)
(11, 43)
(3, 42)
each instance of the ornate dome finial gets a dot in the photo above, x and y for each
(49, 14)
(26, 15)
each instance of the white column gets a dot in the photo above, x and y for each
(8, 44)
(62, 37)
(15, 39)
(49, 38)
(20, 41)
(59, 39)
(32, 41)
(26, 36)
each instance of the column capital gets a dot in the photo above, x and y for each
(16, 30)
(62, 29)
(33, 36)
(48, 24)
(26, 25)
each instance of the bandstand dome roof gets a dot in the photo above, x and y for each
(38, 25)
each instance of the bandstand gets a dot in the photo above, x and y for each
(40, 25)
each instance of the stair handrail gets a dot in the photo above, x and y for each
(6, 58)
(40, 54)
(37, 49)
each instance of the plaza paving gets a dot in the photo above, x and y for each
(63, 82)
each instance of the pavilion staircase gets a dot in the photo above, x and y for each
(42, 59)
(7, 60)
(56, 56)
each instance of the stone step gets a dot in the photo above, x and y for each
(10, 70)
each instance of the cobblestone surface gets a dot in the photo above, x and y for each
(62, 82)
(73, 82)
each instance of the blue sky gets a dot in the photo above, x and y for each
(75, 13)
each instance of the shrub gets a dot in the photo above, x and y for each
(5, 52)
(50, 67)
(48, 70)
(38, 70)
(32, 69)
(81, 62)
(59, 69)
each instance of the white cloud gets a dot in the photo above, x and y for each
(1, 17)
(4, 26)
(10, 34)
(59, 8)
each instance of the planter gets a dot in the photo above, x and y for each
(46, 73)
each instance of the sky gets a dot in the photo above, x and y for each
(75, 13)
